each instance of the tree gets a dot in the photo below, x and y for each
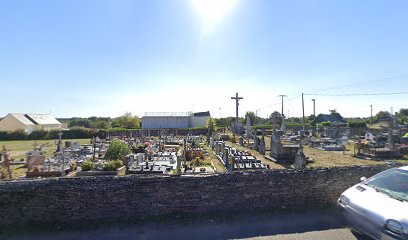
(211, 125)
(79, 122)
(252, 117)
(276, 118)
(381, 115)
(224, 121)
(127, 120)
(117, 150)
(403, 112)
(101, 123)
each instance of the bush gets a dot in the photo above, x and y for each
(356, 124)
(325, 124)
(38, 135)
(112, 165)
(117, 150)
(87, 165)
(3, 173)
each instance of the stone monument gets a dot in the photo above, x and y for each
(248, 128)
(300, 159)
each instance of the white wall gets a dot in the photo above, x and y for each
(157, 122)
(48, 127)
(199, 121)
(10, 123)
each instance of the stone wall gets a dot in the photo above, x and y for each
(109, 198)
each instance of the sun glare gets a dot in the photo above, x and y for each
(212, 11)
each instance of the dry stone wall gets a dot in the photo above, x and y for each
(80, 200)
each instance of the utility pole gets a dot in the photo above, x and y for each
(282, 96)
(371, 110)
(61, 150)
(220, 111)
(303, 111)
(314, 107)
(236, 98)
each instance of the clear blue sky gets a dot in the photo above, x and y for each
(105, 58)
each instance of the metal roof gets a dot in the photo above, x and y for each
(42, 119)
(35, 119)
(20, 117)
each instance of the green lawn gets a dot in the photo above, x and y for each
(19, 148)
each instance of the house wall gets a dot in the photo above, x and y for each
(10, 123)
(199, 121)
(48, 127)
(157, 122)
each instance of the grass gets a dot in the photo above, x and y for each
(335, 158)
(211, 156)
(19, 148)
(320, 158)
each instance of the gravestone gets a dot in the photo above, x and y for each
(283, 126)
(300, 159)
(262, 146)
(282, 153)
(256, 143)
(212, 142)
(241, 141)
(248, 129)
(6, 161)
(276, 145)
(225, 157)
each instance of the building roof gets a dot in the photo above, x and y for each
(202, 114)
(35, 119)
(20, 117)
(333, 118)
(167, 114)
(41, 119)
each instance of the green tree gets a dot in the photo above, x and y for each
(211, 125)
(79, 122)
(117, 150)
(276, 118)
(381, 115)
(127, 121)
(252, 117)
(403, 112)
(224, 121)
(101, 123)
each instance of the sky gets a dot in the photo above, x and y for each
(82, 58)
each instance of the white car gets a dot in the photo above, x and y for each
(378, 206)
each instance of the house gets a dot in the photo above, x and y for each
(29, 122)
(165, 120)
(334, 118)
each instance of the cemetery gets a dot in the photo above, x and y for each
(165, 145)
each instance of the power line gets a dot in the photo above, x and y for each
(356, 94)
(272, 105)
(359, 83)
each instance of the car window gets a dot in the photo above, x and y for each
(393, 182)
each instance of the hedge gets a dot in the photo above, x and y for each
(73, 133)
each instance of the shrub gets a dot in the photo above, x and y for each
(38, 135)
(112, 165)
(117, 150)
(88, 165)
(325, 124)
(356, 124)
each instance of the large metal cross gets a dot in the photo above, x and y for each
(236, 98)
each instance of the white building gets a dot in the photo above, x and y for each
(165, 120)
(29, 122)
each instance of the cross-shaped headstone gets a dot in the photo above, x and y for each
(236, 98)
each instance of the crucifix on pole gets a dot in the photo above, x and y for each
(236, 98)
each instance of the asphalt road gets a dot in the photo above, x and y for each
(317, 224)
